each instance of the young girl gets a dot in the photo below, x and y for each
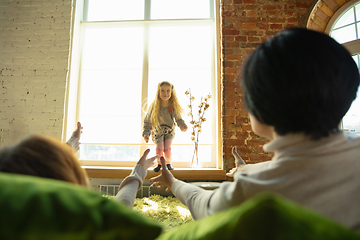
(159, 121)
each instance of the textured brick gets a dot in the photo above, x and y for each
(255, 22)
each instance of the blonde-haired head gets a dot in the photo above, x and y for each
(43, 156)
(155, 105)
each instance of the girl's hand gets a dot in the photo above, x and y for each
(184, 128)
(165, 179)
(146, 163)
(146, 138)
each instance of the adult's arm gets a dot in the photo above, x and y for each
(74, 143)
(75, 137)
(202, 203)
(130, 185)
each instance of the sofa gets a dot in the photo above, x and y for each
(39, 208)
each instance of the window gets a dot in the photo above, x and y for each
(344, 27)
(121, 51)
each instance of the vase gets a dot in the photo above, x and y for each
(195, 159)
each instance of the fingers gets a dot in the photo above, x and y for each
(165, 179)
(77, 132)
(152, 159)
(160, 186)
(231, 172)
(163, 163)
(147, 162)
(238, 159)
(156, 182)
(153, 179)
(79, 127)
(234, 152)
(146, 152)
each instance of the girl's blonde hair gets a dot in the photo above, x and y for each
(155, 105)
(43, 157)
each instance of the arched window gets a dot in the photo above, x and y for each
(344, 27)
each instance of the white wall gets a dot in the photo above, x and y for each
(34, 45)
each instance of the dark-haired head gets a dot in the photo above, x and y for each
(300, 81)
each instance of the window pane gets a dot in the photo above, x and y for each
(345, 34)
(117, 57)
(176, 47)
(111, 78)
(180, 153)
(183, 56)
(345, 19)
(358, 30)
(109, 153)
(112, 47)
(109, 10)
(351, 121)
(357, 9)
(356, 59)
(184, 9)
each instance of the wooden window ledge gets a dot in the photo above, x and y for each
(179, 173)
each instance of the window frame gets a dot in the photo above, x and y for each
(74, 85)
(352, 46)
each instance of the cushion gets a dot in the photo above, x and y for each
(263, 217)
(40, 208)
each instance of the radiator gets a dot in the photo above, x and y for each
(111, 190)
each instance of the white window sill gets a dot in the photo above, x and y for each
(179, 173)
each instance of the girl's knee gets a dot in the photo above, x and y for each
(159, 152)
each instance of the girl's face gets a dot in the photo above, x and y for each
(165, 92)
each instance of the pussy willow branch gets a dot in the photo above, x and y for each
(191, 110)
(201, 116)
(196, 126)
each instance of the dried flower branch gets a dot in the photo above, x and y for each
(196, 124)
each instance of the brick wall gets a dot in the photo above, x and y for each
(246, 23)
(34, 43)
